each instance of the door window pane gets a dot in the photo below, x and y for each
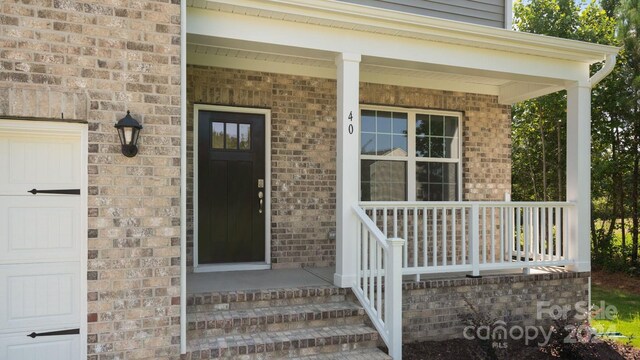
(245, 136)
(383, 180)
(217, 135)
(231, 136)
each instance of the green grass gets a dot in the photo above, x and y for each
(627, 319)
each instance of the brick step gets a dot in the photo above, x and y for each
(248, 299)
(358, 354)
(284, 344)
(276, 318)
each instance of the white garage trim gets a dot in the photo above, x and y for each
(79, 131)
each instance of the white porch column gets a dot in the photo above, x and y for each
(348, 132)
(579, 174)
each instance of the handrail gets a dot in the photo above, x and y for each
(366, 221)
(449, 204)
(379, 258)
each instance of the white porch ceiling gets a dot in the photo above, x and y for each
(323, 65)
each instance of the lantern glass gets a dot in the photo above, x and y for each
(128, 132)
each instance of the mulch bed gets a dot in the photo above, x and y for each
(616, 281)
(459, 349)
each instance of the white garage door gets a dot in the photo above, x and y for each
(41, 241)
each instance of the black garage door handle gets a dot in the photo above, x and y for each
(55, 333)
(64, 191)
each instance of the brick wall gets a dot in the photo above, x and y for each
(93, 60)
(432, 308)
(302, 155)
(303, 148)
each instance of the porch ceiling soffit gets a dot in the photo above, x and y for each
(324, 67)
(532, 64)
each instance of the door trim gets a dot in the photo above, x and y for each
(80, 130)
(267, 205)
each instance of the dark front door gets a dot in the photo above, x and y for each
(231, 187)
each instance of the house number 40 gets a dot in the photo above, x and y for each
(350, 117)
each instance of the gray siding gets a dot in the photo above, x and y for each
(482, 12)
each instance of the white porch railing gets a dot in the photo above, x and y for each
(415, 238)
(380, 258)
(475, 236)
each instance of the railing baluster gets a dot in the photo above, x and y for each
(365, 264)
(379, 279)
(519, 219)
(375, 216)
(395, 222)
(565, 232)
(549, 211)
(453, 236)
(475, 240)
(536, 233)
(372, 270)
(558, 236)
(405, 236)
(503, 233)
(509, 214)
(493, 238)
(385, 223)
(359, 255)
(527, 234)
(444, 236)
(424, 237)
(434, 230)
(415, 237)
(484, 235)
(463, 232)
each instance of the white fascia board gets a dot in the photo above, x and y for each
(369, 18)
(336, 40)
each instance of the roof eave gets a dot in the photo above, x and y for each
(435, 29)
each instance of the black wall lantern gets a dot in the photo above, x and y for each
(128, 130)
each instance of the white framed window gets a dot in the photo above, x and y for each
(410, 154)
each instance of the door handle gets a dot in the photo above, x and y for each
(60, 191)
(260, 201)
(34, 334)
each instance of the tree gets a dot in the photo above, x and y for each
(628, 29)
(539, 124)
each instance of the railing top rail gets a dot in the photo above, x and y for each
(368, 223)
(447, 204)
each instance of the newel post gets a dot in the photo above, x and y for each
(475, 240)
(393, 296)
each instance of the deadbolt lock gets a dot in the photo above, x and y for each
(261, 183)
